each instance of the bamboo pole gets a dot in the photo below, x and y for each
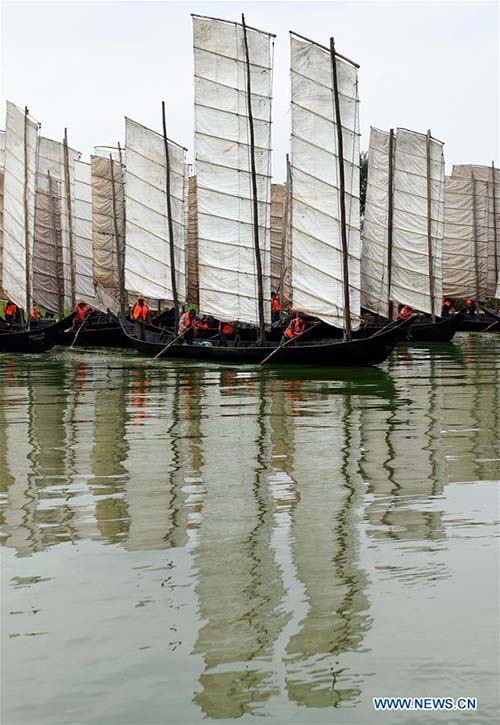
(390, 217)
(495, 232)
(258, 260)
(284, 231)
(476, 251)
(119, 263)
(27, 256)
(343, 223)
(124, 217)
(429, 226)
(169, 216)
(67, 184)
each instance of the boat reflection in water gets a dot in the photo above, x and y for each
(233, 532)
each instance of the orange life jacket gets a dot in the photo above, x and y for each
(201, 325)
(10, 310)
(405, 313)
(34, 313)
(227, 328)
(296, 326)
(81, 311)
(185, 322)
(275, 305)
(140, 312)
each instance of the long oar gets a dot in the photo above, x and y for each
(287, 342)
(169, 345)
(78, 331)
(495, 322)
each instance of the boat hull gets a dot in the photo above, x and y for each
(38, 340)
(440, 331)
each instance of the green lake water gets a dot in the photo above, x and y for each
(183, 542)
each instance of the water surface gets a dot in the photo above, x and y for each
(185, 542)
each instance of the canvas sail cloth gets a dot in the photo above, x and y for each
(410, 283)
(317, 276)
(374, 257)
(52, 259)
(18, 223)
(192, 245)
(147, 256)
(82, 229)
(492, 187)
(108, 230)
(466, 242)
(227, 260)
(2, 166)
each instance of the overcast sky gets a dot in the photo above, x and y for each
(87, 65)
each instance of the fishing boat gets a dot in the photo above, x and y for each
(403, 231)
(37, 340)
(365, 352)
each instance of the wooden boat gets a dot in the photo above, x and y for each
(442, 330)
(369, 351)
(97, 334)
(33, 341)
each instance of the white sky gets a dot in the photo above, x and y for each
(87, 65)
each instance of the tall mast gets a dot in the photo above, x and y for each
(343, 224)
(390, 215)
(169, 217)
(124, 217)
(70, 219)
(258, 260)
(57, 247)
(27, 257)
(429, 226)
(284, 231)
(495, 238)
(119, 254)
(474, 222)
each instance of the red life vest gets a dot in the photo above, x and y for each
(185, 322)
(405, 313)
(10, 310)
(227, 328)
(81, 311)
(140, 312)
(296, 326)
(275, 305)
(34, 313)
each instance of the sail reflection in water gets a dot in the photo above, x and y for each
(224, 540)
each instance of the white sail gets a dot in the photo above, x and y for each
(227, 257)
(147, 254)
(108, 225)
(82, 228)
(374, 257)
(410, 259)
(491, 190)
(21, 142)
(2, 165)
(317, 272)
(116, 153)
(465, 244)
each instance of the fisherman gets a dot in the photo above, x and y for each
(446, 308)
(82, 310)
(296, 327)
(225, 329)
(470, 306)
(275, 307)
(405, 312)
(187, 326)
(34, 315)
(10, 312)
(202, 324)
(141, 312)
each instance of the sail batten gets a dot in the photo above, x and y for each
(147, 253)
(227, 263)
(317, 259)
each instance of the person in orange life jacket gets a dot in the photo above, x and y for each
(82, 310)
(470, 308)
(446, 308)
(186, 326)
(296, 327)
(35, 315)
(140, 312)
(225, 328)
(10, 312)
(405, 312)
(202, 324)
(275, 307)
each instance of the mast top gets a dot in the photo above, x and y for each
(323, 47)
(233, 22)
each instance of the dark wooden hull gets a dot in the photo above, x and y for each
(105, 334)
(370, 351)
(471, 324)
(38, 340)
(440, 331)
